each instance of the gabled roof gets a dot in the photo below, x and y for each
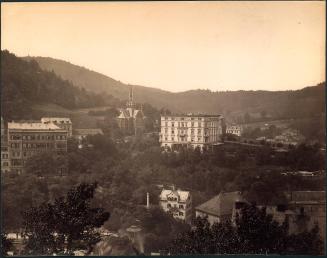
(130, 113)
(222, 204)
(182, 195)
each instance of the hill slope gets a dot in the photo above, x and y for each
(309, 101)
(24, 84)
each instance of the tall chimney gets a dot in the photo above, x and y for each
(147, 200)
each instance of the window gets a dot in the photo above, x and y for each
(172, 124)
(192, 124)
(181, 206)
(181, 213)
(172, 138)
(166, 138)
(168, 205)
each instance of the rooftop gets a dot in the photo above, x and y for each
(191, 115)
(32, 126)
(222, 204)
(89, 131)
(182, 195)
(62, 120)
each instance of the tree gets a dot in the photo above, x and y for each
(66, 225)
(46, 164)
(6, 245)
(253, 232)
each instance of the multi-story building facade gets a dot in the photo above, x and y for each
(178, 203)
(191, 130)
(5, 165)
(28, 139)
(234, 129)
(63, 122)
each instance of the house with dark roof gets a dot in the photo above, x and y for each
(221, 207)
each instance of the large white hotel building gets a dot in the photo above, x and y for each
(191, 130)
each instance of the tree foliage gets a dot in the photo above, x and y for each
(66, 225)
(6, 245)
(254, 232)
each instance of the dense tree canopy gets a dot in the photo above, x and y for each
(66, 225)
(254, 232)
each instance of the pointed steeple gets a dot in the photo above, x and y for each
(130, 102)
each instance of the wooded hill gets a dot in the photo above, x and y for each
(24, 84)
(306, 102)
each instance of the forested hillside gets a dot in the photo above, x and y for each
(307, 102)
(24, 84)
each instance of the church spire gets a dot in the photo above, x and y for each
(130, 102)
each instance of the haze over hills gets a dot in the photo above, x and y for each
(306, 102)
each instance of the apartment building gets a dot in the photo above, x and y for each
(234, 129)
(178, 203)
(5, 165)
(30, 138)
(62, 122)
(191, 130)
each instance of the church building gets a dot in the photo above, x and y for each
(130, 119)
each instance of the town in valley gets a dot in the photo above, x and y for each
(92, 166)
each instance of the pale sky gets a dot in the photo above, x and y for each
(177, 46)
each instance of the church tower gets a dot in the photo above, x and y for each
(130, 102)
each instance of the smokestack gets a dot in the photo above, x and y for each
(147, 200)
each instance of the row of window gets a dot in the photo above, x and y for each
(38, 137)
(181, 206)
(183, 118)
(184, 139)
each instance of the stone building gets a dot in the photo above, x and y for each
(130, 119)
(234, 129)
(191, 130)
(28, 139)
(178, 202)
(5, 165)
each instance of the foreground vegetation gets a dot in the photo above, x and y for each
(127, 171)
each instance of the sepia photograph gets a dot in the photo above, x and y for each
(163, 128)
